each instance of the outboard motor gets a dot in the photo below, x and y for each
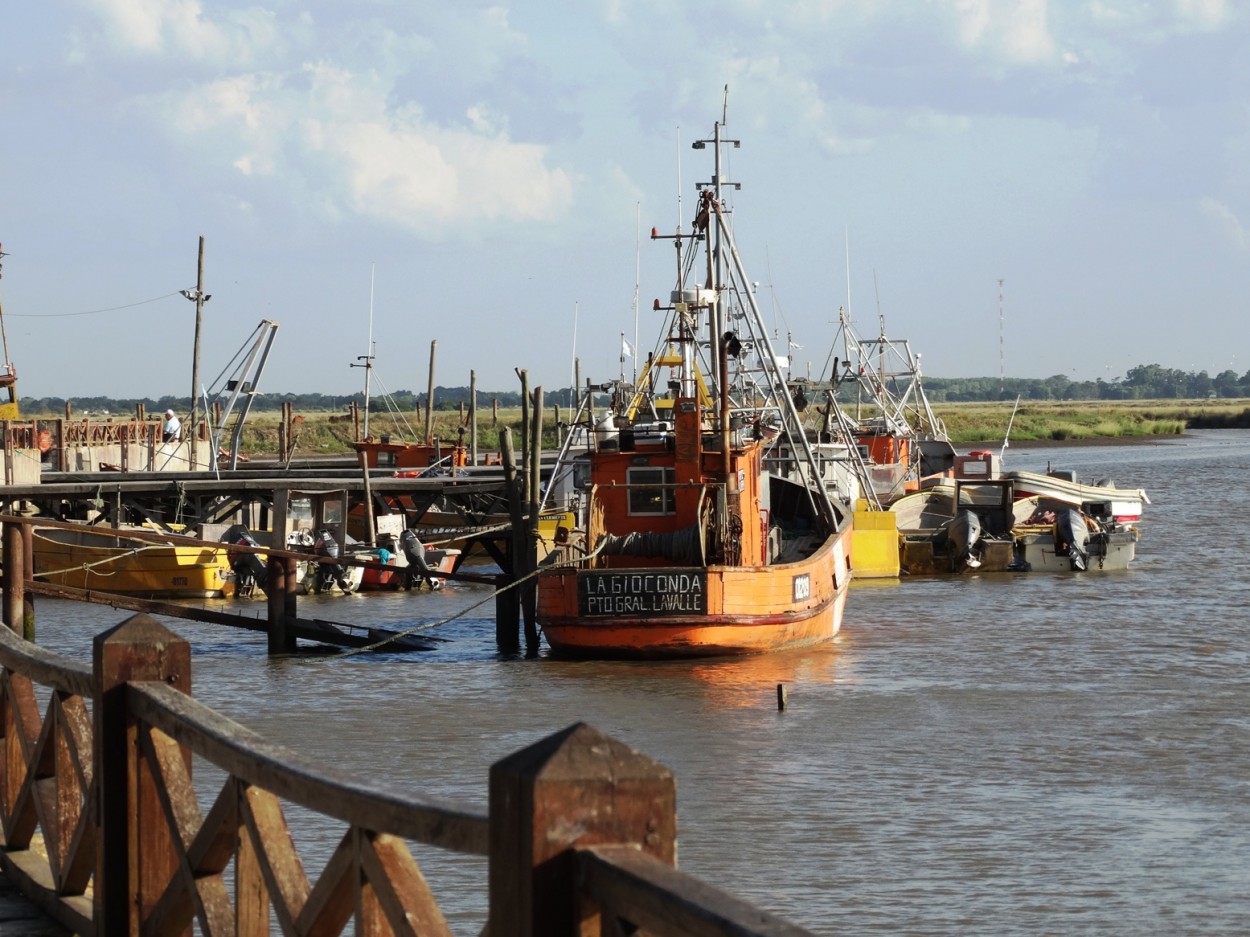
(249, 569)
(328, 574)
(418, 565)
(965, 539)
(1072, 537)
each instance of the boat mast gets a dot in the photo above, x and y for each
(8, 378)
(715, 247)
(4, 335)
(368, 358)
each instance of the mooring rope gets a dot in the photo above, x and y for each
(90, 567)
(435, 624)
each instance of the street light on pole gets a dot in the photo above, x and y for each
(199, 297)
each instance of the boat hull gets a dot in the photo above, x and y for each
(1110, 551)
(396, 574)
(148, 570)
(1122, 505)
(687, 612)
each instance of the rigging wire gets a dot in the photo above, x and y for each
(88, 312)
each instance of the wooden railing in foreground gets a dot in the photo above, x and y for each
(103, 827)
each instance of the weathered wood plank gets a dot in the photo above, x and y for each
(652, 894)
(279, 862)
(333, 898)
(44, 667)
(23, 729)
(401, 891)
(251, 895)
(291, 776)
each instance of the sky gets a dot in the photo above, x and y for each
(1018, 187)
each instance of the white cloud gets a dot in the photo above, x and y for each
(1017, 31)
(1134, 21)
(1227, 222)
(330, 133)
(180, 28)
(1203, 14)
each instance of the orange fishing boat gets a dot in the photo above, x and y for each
(696, 540)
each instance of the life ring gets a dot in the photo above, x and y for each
(43, 439)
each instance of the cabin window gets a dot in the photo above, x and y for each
(651, 491)
(581, 473)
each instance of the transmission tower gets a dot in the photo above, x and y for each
(1002, 372)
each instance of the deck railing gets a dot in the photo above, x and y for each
(103, 827)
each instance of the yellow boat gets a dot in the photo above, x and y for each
(101, 560)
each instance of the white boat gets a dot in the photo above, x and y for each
(1053, 536)
(986, 525)
(1104, 501)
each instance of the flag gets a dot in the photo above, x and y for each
(627, 350)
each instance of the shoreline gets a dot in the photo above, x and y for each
(1160, 439)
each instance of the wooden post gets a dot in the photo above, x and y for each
(524, 464)
(429, 395)
(14, 577)
(473, 418)
(555, 412)
(281, 584)
(28, 575)
(507, 607)
(529, 589)
(135, 855)
(371, 524)
(578, 787)
(62, 460)
(494, 411)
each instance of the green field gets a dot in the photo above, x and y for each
(1037, 421)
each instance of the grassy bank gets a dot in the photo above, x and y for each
(321, 433)
(1057, 421)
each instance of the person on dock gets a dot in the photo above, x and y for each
(172, 431)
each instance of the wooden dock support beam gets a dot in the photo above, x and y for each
(533, 478)
(508, 604)
(281, 586)
(19, 609)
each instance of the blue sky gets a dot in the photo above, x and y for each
(483, 171)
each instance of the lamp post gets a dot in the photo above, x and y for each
(198, 296)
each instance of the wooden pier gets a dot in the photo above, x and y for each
(352, 501)
(103, 829)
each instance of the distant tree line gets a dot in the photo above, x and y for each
(1144, 382)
